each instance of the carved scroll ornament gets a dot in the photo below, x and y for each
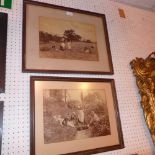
(144, 70)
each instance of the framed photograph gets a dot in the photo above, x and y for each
(74, 116)
(3, 43)
(1, 123)
(60, 39)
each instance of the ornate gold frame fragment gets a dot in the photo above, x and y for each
(144, 70)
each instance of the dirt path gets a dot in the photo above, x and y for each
(82, 134)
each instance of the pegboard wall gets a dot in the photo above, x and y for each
(129, 38)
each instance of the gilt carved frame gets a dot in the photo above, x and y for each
(144, 70)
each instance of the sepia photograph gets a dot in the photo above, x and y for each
(78, 115)
(62, 40)
(71, 114)
(66, 39)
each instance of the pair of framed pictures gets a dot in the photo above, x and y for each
(69, 115)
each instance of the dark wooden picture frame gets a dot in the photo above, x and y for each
(3, 44)
(51, 118)
(60, 39)
(1, 122)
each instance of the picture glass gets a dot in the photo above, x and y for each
(64, 39)
(72, 114)
(76, 116)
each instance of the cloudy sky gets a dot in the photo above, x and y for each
(58, 26)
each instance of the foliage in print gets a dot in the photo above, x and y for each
(71, 114)
(64, 39)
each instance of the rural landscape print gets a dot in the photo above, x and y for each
(73, 114)
(65, 39)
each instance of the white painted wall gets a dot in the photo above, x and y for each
(129, 38)
(145, 4)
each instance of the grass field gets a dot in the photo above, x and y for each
(53, 131)
(79, 51)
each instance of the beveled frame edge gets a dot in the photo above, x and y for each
(3, 46)
(66, 79)
(142, 71)
(25, 70)
(1, 123)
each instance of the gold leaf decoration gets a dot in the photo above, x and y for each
(144, 71)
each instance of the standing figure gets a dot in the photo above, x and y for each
(69, 45)
(62, 44)
(80, 114)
